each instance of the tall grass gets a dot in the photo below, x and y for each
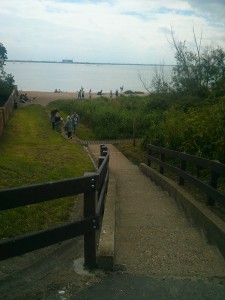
(112, 118)
(31, 152)
(186, 124)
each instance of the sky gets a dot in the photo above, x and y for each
(108, 31)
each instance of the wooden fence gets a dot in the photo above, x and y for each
(166, 158)
(94, 188)
(6, 110)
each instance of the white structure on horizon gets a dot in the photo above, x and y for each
(67, 61)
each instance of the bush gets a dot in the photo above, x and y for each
(5, 92)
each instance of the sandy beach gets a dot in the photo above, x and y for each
(44, 98)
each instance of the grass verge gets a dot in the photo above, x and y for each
(31, 152)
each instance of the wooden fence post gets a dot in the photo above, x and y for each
(103, 148)
(90, 237)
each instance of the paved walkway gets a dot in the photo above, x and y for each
(152, 236)
(158, 254)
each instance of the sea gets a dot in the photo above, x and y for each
(70, 77)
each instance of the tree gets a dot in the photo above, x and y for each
(6, 80)
(3, 57)
(197, 71)
(160, 82)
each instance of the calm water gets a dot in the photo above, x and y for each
(70, 77)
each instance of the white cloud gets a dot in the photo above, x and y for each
(103, 31)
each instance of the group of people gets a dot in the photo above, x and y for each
(56, 120)
(24, 98)
(100, 93)
(70, 125)
(81, 93)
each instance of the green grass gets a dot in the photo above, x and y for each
(137, 154)
(31, 152)
(85, 133)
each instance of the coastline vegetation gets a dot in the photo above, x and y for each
(191, 125)
(185, 112)
(6, 80)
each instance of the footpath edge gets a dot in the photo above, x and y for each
(212, 227)
(105, 253)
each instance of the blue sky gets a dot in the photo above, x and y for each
(117, 31)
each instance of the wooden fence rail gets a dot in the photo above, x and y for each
(6, 110)
(94, 188)
(164, 159)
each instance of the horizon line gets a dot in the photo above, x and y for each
(87, 63)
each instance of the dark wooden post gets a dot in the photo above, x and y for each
(90, 237)
(103, 148)
(100, 160)
(183, 168)
(162, 157)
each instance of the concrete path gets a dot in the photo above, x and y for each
(158, 254)
(152, 236)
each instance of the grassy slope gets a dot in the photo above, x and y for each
(31, 152)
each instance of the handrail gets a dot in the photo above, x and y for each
(92, 185)
(36, 193)
(215, 170)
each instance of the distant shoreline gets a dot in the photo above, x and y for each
(85, 63)
(43, 98)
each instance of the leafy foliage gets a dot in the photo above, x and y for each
(3, 56)
(199, 71)
(6, 80)
(189, 123)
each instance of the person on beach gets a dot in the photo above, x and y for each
(75, 120)
(100, 93)
(68, 127)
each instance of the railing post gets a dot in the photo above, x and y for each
(213, 183)
(90, 237)
(183, 168)
(162, 157)
(103, 148)
(100, 161)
